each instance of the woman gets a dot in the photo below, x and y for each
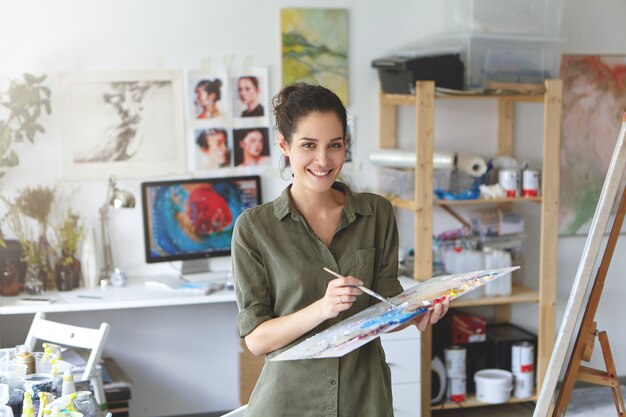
(279, 251)
(252, 145)
(208, 93)
(248, 88)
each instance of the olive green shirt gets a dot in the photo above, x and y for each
(278, 269)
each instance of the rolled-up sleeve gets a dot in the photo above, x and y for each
(251, 288)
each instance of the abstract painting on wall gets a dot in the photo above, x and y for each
(315, 48)
(125, 123)
(594, 100)
(349, 334)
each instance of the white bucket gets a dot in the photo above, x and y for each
(493, 386)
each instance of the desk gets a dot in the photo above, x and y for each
(180, 350)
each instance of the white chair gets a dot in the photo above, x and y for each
(240, 412)
(73, 336)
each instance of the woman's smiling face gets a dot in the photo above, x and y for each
(317, 151)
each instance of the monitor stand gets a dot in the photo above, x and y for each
(195, 266)
(200, 269)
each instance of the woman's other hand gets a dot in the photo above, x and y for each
(433, 315)
(340, 295)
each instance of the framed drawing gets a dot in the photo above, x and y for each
(594, 97)
(125, 123)
(315, 48)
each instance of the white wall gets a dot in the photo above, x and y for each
(43, 37)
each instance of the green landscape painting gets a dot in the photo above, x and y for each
(315, 48)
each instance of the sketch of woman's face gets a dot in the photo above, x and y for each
(203, 98)
(248, 93)
(252, 143)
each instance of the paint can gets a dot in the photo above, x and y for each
(523, 367)
(509, 179)
(455, 369)
(530, 182)
(524, 385)
(522, 357)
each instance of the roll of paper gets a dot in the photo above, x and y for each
(397, 158)
(472, 165)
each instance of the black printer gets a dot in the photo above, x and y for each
(398, 73)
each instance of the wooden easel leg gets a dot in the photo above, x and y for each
(586, 332)
(612, 373)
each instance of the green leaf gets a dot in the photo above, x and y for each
(19, 136)
(41, 79)
(30, 133)
(39, 128)
(30, 78)
(46, 90)
(46, 104)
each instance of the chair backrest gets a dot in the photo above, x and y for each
(70, 336)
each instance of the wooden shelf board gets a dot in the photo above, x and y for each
(409, 100)
(519, 294)
(488, 201)
(473, 402)
(411, 205)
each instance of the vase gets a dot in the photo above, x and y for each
(67, 273)
(34, 282)
(89, 259)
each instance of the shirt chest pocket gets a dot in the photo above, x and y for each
(363, 268)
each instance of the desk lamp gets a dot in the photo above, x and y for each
(115, 199)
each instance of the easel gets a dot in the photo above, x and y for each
(587, 333)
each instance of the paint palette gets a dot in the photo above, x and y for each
(349, 334)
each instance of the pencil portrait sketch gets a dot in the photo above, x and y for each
(129, 124)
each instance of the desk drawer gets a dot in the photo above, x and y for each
(407, 399)
(403, 357)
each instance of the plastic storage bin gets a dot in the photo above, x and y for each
(495, 61)
(515, 17)
(397, 182)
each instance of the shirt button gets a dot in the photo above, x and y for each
(333, 382)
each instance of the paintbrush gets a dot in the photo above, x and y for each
(364, 289)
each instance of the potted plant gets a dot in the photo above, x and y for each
(34, 204)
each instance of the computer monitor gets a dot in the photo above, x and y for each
(191, 220)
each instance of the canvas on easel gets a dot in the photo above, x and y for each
(576, 300)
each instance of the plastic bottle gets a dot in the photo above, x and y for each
(5, 410)
(28, 410)
(65, 402)
(68, 386)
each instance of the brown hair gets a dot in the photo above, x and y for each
(299, 100)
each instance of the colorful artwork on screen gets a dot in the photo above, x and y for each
(349, 334)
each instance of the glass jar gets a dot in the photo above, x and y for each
(34, 284)
(64, 276)
(9, 281)
(86, 404)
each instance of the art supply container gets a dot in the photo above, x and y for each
(523, 368)
(509, 179)
(455, 369)
(493, 386)
(11, 373)
(25, 357)
(531, 179)
(36, 383)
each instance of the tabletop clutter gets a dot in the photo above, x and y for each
(37, 384)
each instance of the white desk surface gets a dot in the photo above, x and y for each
(136, 294)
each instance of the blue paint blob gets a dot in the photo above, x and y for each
(392, 317)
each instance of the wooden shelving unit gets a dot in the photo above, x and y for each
(422, 207)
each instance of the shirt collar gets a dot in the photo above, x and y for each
(354, 204)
